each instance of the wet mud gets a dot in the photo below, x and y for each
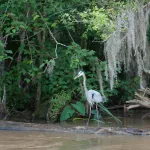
(20, 126)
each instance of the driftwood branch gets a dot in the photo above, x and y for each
(139, 102)
(133, 106)
(141, 99)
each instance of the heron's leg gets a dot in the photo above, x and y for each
(97, 116)
(88, 118)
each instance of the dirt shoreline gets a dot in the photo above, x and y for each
(20, 126)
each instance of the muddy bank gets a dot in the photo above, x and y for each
(19, 126)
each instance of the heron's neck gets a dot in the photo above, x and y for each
(84, 83)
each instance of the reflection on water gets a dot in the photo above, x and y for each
(133, 121)
(17, 140)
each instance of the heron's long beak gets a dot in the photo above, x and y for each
(76, 77)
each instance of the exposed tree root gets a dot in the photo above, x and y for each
(145, 116)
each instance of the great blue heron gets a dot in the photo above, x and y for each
(92, 96)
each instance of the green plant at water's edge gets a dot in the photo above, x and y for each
(70, 110)
(67, 113)
(104, 109)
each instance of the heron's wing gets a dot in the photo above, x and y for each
(95, 96)
(90, 97)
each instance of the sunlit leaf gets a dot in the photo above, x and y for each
(35, 17)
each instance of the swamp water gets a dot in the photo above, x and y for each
(27, 140)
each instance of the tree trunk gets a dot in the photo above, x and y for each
(3, 104)
(38, 97)
(19, 59)
(41, 40)
(3, 86)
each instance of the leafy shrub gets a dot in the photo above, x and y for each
(127, 88)
(123, 90)
(56, 105)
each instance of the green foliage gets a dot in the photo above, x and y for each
(29, 62)
(17, 97)
(128, 88)
(4, 54)
(80, 57)
(97, 19)
(121, 91)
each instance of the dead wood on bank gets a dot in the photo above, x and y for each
(142, 99)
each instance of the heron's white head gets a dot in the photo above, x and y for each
(81, 73)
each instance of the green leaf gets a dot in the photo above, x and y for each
(35, 17)
(8, 57)
(66, 113)
(54, 25)
(14, 30)
(8, 51)
(79, 107)
(27, 80)
(104, 109)
(42, 65)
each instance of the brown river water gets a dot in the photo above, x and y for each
(32, 140)
(25, 140)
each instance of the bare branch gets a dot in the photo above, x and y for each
(51, 34)
(70, 35)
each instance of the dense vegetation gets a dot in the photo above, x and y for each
(44, 43)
